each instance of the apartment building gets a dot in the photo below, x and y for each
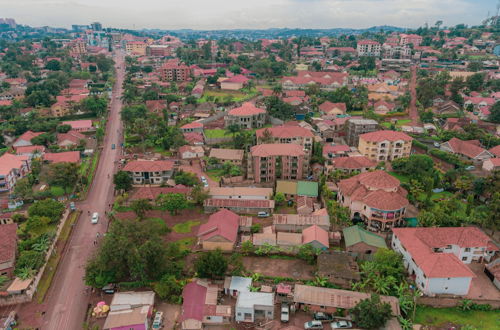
(286, 134)
(150, 171)
(369, 48)
(174, 71)
(385, 145)
(12, 168)
(407, 39)
(137, 48)
(269, 162)
(247, 116)
(357, 126)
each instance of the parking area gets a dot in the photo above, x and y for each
(295, 268)
(171, 314)
(481, 286)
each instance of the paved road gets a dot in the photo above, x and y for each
(413, 112)
(66, 300)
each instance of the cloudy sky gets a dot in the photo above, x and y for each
(259, 14)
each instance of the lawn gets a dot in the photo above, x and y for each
(185, 227)
(438, 317)
(435, 196)
(399, 123)
(216, 133)
(186, 243)
(400, 177)
(57, 191)
(215, 174)
(236, 96)
(163, 152)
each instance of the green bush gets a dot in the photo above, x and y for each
(162, 226)
(30, 259)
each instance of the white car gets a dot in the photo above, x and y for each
(285, 313)
(95, 217)
(341, 325)
(313, 325)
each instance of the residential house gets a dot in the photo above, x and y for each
(268, 162)
(492, 270)
(247, 116)
(194, 127)
(478, 102)
(12, 168)
(8, 248)
(332, 151)
(491, 164)
(156, 106)
(339, 268)
(235, 285)
(470, 149)
(375, 198)
(307, 188)
(352, 164)
(174, 71)
(299, 222)
(191, 152)
(62, 157)
(286, 134)
(137, 48)
(30, 151)
(361, 241)
(130, 310)
(368, 48)
(446, 108)
(254, 306)
(383, 91)
(288, 240)
(194, 138)
(247, 193)
(287, 188)
(234, 83)
(437, 257)
(355, 127)
(220, 232)
(241, 206)
(414, 39)
(65, 104)
(327, 81)
(385, 145)
(495, 151)
(382, 107)
(305, 205)
(70, 139)
(318, 299)
(150, 171)
(233, 156)
(316, 236)
(25, 139)
(334, 109)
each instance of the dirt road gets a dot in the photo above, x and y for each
(67, 300)
(412, 111)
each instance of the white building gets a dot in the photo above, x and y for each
(437, 257)
(369, 48)
(254, 305)
(249, 193)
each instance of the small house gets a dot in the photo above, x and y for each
(252, 306)
(362, 241)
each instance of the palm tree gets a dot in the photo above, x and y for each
(25, 273)
(42, 245)
(380, 285)
(277, 90)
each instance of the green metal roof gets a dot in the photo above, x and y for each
(286, 187)
(307, 188)
(356, 234)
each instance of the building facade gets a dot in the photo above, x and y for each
(247, 116)
(385, 145)
(356, 127)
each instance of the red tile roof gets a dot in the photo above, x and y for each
(247, 109)
(420, 243)
(328, 106)
(237, 79)
(29, 149)
(277, 149)
(353, 162)
(62, 157)
(79, 124)
(8, 242)
(72, 136)
(28, 135)
(315, 233)
(368, 42)
(239, 203)
(193, 137)
(194, 124)
(467, 148)
(223, 223)
(193, 301)
(149, 166)
(8, 162)
(339, 148)
(285, 131)
(379, 136)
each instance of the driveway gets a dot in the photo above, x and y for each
(481, 286)
(196, 169)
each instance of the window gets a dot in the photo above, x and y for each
(467, 249)
(448, 247)
(464, 259)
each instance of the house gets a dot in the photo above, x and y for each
(286, 134)
(12, 168)
(353, 164)
(491, 164)
(130, 310)
(375, 198)
(382, 107)
(220, 232)
(194, 138)
(317, 299)
(338, 267)
(357, 126)
(233, 156)
(307, 188)
(191, 152)
(246, 193)
(492, 270)
(495, 151)
(265, 238)
(268, 162)
(446, 108)
(235, 285)
(234, 83)
(151, 193)
(287, 188)
(8, 248)
(305, 205)
(299, 222)
(25, 139)
(368, 48)
(30, 151)
(80, 125)
(247, 116)
(361, 241)
(385, 145)
(437, 256)
(316, 237)
(62, 157)
(326, 81)
(242, 206)
(284, 239)
(253, 306)
(150, 171)
(470, 149)
(414, 39)
(195, 126)
(174, 71)
(200, 307)
(333, 151)
(70, 139)
(156, 106)
(334, 109)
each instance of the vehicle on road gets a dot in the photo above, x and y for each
(158, 321)
(203, 179)
(113, 146)
(341, 325)
(285, 312)
(313, 325)
(470, 168)
(320, 316)
(263, 214)
(95, 217)
(437, 145)
(72, 206)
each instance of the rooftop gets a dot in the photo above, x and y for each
(247, 109)
(277, 149)
(356, 234)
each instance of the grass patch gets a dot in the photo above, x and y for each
(437, 317)
(400, 177)
(215, 174)
(52, 263)
(162, 226)
(216, 133)
(57, 191)
(185, 227)
(185, 244)
(163, 152)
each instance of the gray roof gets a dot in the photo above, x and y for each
(240, 284)
(250, 299)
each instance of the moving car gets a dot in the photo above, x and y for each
(313, 325)
(285, 312)
(95, 217)
(320, 316)
(341, 325)
(113, 146)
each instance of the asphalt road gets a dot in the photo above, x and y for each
(67, 300)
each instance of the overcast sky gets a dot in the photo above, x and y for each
(257, 14)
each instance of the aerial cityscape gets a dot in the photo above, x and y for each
(224, 170)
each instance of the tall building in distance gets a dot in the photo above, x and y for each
(96, 26)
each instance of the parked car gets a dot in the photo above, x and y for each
(203, 178)
(110, 288)
(95, 217)
(313, 325)
(158, 321)
(72, 206)
(437, 145)
(285, 312)
(262, 214)
(341, 325)
(113, 146)
(470, 168)
(320, 316)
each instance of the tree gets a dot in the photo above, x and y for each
(211, 264)
(199, 194)
(140, 206)
(47, 208)
(63, 174)
(308, 253)
(169, 289)
(53, 65)
(172, 202)
(63, 128)
(371, 313)
(186, 178)
(475, 82)
(122, 181)
(279, 198)
(24, 189)
(495, 113)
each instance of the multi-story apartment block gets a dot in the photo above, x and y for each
(269, 162)
(246, 116)
(174, 71)
(136, 48)
(77, 47)
(357, 126)
(286, 134)
(437, 257)
(150, 171)
(159, 50)
(376, 198)
(12, 168)
(369, 48)
(385, 145)
(413, 39)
